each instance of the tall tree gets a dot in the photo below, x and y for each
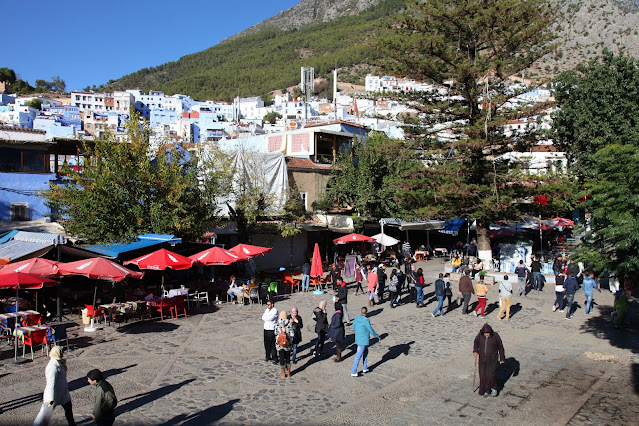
(125, 189)
(596, 124)
(367, 177)
(470, 49)
(598, 104)
(7, 75)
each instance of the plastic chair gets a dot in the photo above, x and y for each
(59, 334)
(254, 294)
(39, 336)
(97, 313)
(178, 305)
(203, 296)
(165, 305)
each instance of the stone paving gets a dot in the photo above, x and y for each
(209, 369)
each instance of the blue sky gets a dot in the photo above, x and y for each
(89, 42)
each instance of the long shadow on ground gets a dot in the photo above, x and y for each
(137, 401)
(204, 417)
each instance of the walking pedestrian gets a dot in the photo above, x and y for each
(506, 295)
(306, 276)
(270, 319)
(589, 286)
(465, 290)
(284, 335)
(342, 298)
(363, 329)
(449, 291)
(440, 293)
(558, 265)
(522, 274)
(570, 288)
(419, 286)
(297, 325)
(393, 288)
(489, 348)
(359, 277)
(334, 272)
(482, 292)
(321, 327)
(56, 390)
(412, 282)
(336, 332)
(372, 286)
(104, 399)
(535, 267)
(381, 282)
(559, 293)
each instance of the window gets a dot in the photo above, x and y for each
(19, 211)
(304, 198)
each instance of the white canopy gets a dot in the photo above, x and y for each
(385, 240)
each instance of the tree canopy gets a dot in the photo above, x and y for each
(598, 106)
(125, 189)
(596, 124)
(469, 49)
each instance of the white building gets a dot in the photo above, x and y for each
(17, 116)
(389, 83)
(89, 101)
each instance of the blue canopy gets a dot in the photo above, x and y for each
(142, 241)
(453, 226)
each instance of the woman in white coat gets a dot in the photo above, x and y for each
(56, 391)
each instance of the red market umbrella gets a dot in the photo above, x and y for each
(36, 266)
(216, 256)
(248, 251)
(98, 268)
(316, 263)
(562, 221)
(351, 238)
(23, 281)
(162, 259)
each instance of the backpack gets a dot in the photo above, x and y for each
(282, 338)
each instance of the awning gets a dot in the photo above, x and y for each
(142, 241)
(453, 226)
(29, 244)
(421, 225)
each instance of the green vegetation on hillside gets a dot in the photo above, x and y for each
(265, 61)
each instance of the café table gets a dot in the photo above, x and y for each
(25, 317)
(36, 333)
(441, 251)
(123, 307)
(178, 292)
(420, 254)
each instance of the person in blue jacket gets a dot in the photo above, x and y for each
(589, 286)
(570, 288)
(363, 329)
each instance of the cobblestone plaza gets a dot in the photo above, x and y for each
(209, 368)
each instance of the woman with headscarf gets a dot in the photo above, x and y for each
(321, 326)
(56, 390)
(336, 332)
(284, 343)
(297, 325)
(490, 350)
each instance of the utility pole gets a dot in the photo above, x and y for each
(307, 84)
(335, 91)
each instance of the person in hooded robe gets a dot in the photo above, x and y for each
(490, 351)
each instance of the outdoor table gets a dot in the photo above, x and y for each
(122, 307)
(178, 292)
(441, 251)
(25, 317)
(31, 329)
(421, 254)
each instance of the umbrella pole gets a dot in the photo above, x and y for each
(15, 328)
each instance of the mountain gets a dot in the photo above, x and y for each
(328, 33)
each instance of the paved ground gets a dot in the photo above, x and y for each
(209, 368)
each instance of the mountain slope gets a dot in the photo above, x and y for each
(325, 33)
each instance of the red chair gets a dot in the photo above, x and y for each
(39, 336)
(178, 305)
(98, 312)
(165, 305)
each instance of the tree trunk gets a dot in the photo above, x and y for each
(484, 251)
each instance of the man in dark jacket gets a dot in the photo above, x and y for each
(558, 265)
(440, 293)
(342, 298)
(465, 290)
(535, 268)
(336, 332)
(104, 400)
(570, 288)
(306, 276)
(489, 349)
(381, 282)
